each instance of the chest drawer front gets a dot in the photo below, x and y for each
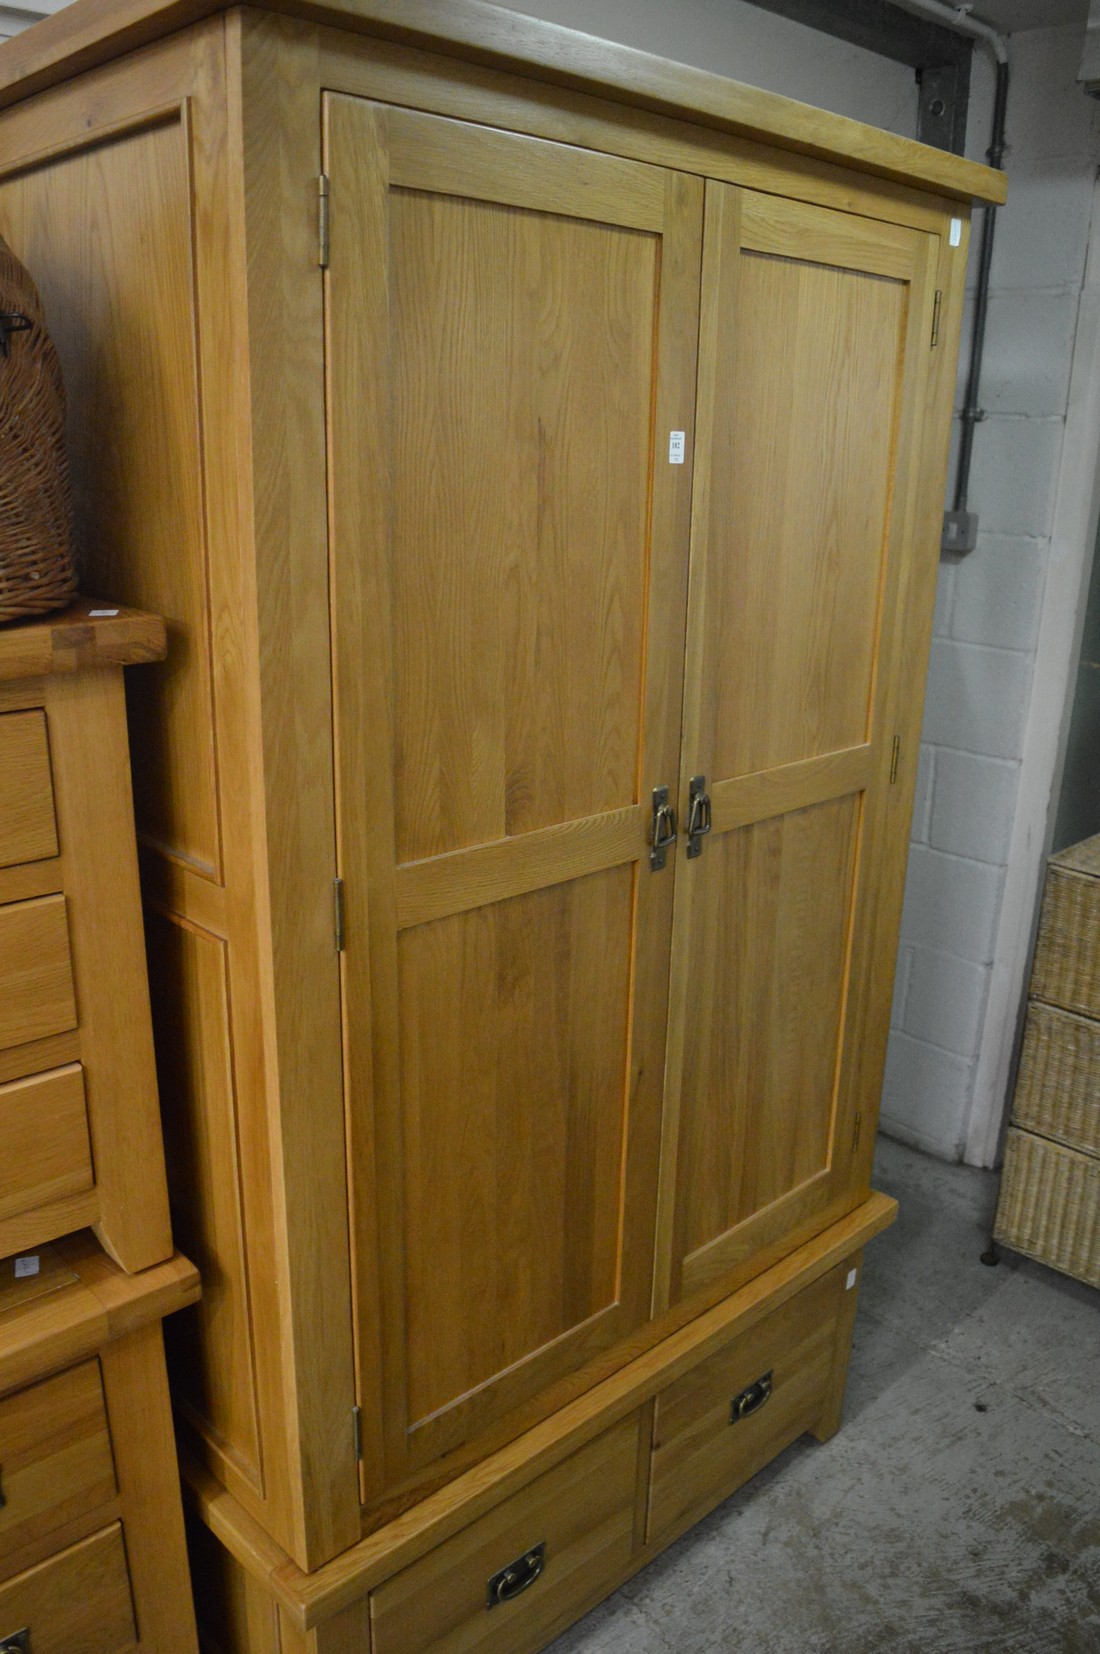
(570, 1533)
(724, 1420)
(76, 1603)
(44, 1130)
(55, 1455)
(36, 971)
(28, 829)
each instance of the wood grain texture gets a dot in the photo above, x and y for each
(760, 1066)
(474, 91)
(275, 135)
(81, 1301)
(74, 640)
(700, 1454)
(521, 441)
(560, 56)
(518, 562)
(44, 1130)
(234, 1612)
(212, 1346)
(792, 547)
(582, 1511)
(36, 878)
(817, 324)
(136, 1387)
(125, 332)
(312, 1598)
(76, 1603)
(95, 823)
(36, 971)
(831, 1416)
(55, 1455)
(514, 1079)
(28, 831)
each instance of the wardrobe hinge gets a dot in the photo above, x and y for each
(338, 913)
(357, 1431)
(937, 306)
(895, 757)
(856, 1132)
(322, 220)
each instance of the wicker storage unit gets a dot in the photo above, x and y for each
(37, 572)
(1049, 1205)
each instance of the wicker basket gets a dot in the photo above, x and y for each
(1058, 1088)
(1049, 1205)
(1066, 971)
(37, 571)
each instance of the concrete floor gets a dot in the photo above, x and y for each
(958, 1510)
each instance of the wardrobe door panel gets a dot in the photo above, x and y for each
(512, 330)
(815, 335)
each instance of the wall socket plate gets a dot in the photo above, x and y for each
(960, 532)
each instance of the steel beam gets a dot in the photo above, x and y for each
(940, 56)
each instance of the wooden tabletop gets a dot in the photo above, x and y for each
(91, 632)
(76, 1302)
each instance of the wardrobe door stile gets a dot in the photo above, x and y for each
(815, 340)
(512, 329)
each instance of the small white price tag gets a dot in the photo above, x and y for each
(851, 1281)
(102, 614)
(26, 1266)
(956, 232)
(676, 447)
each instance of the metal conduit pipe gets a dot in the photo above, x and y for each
(960, 527)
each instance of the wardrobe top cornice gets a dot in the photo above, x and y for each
(91, 32)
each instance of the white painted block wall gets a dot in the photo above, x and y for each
(990, 603)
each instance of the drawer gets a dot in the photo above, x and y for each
(44, 1130)
(55, 1455)
(76, 1603)
(28, 830)
(36, 971)
(724, 1420)
(570, 1531)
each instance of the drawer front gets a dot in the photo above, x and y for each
(28, 830)
(76, 1603)
(55, 1455)
(36, 971)
(44, 1130)
(724, 1420)
(570, 1533)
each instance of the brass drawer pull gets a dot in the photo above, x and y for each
(513, 1580)
(751, 1399)
(16, 1642)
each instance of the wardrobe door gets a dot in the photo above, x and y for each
(512, 336)
(814, 349)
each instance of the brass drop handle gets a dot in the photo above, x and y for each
(16, 1642)
(516, 1578)
(698, 814)
(751, 1398)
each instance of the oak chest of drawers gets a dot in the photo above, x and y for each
(79, 1121)
(91, 1544)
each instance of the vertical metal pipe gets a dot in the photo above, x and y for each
(972, 412)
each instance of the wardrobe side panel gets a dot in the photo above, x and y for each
(115, 192)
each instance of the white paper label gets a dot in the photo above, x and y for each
(676, 447)
(851, 1281)
(102, 614)
(26, 1266)
(956, 232)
